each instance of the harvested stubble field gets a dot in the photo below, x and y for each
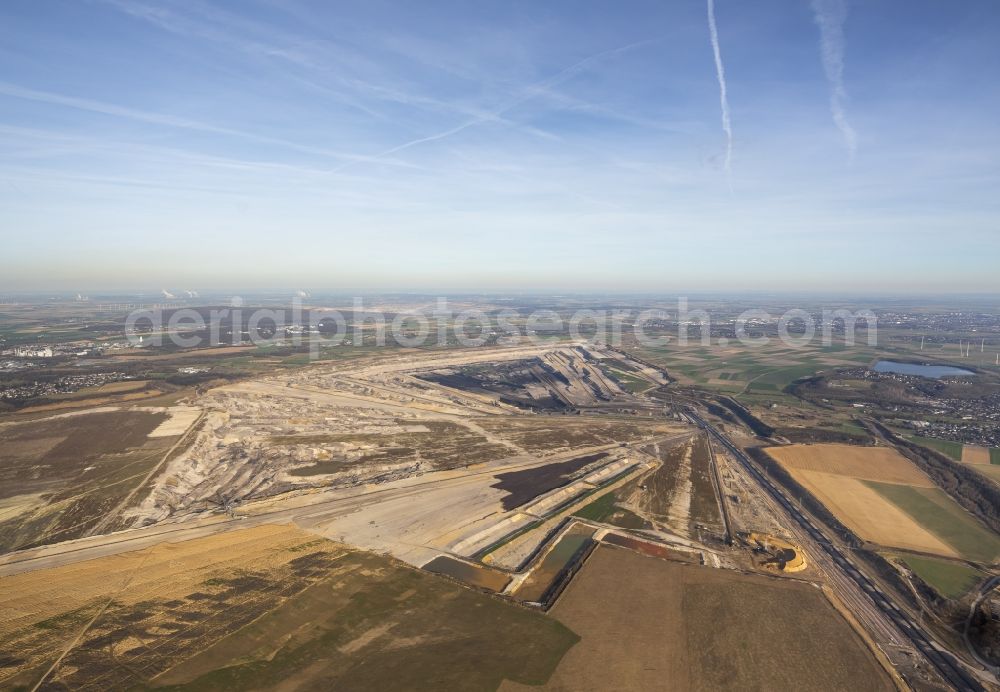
(885, 499)
(973, 454)
(865, 463)
(270, 607)
(651, 624)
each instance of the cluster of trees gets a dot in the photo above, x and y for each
(758, 426)
(984, 631)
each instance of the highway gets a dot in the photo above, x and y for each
(848, 579)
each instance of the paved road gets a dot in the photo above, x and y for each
(851, 585)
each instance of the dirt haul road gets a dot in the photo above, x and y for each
(446, 504)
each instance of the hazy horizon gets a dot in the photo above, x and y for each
(343, 298)
(501, 147)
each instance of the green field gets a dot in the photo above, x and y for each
(598, 510)
(951, 579)
(946, 447)
(776, 380)
(603, 509)
(995, 456)
(768, 369)
(943, 517)
(629, 382)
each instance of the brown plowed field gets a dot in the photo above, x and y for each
(651, 624)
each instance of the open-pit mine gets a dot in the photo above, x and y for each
(347, 522)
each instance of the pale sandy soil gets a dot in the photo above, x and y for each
(867, 463)
(181, 418)
(167, 570)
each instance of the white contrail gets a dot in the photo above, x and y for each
(830, 16)
(528, 94)
(720, 71)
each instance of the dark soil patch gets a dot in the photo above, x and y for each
(528, 484)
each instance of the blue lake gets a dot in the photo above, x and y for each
(933, 371)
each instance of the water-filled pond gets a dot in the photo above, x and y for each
(932, 371)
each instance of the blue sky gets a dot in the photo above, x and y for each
(500, 145)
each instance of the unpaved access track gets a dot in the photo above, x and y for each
(413, 518)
